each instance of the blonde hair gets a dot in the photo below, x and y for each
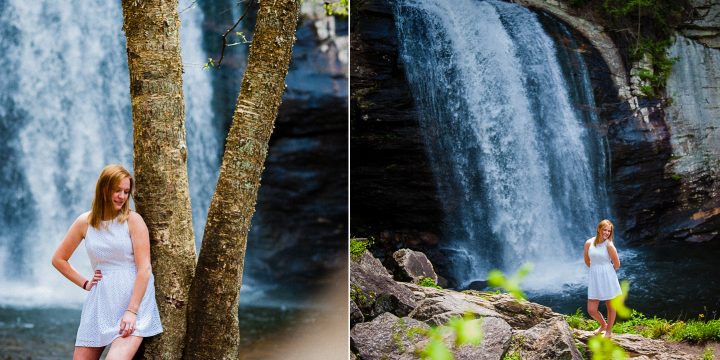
(110, 177)
(600, 227)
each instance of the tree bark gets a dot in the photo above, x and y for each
(213, 331)
(160, 153)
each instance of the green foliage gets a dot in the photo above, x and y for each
(578, 321)
(512, 356)
(428, 282)
(698, 331)
(338, 8)
(512, 285)
(604, 349)
(708, 354)
(360, 298)
(209, 64)
(467, 331)
(676, 177)
(656, 52)
(358, 247)
(625, 7)
(618, 303)
(655, 328)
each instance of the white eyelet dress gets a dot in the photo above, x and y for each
(110, 250)
(602, 279)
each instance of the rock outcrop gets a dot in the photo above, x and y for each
(705, 25)
(413, 266)
(530, 329)
(509, 326)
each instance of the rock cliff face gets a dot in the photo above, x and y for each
(705, 26)
(392, 185)
(655, 197)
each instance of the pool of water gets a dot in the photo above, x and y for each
(49, 333)
(677, 281)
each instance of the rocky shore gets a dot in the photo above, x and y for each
(386, 314)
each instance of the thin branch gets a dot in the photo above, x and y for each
(224, 37)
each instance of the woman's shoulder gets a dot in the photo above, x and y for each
(84, 218)
(135, 219)
(590, 240)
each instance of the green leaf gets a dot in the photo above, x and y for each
(618, 303)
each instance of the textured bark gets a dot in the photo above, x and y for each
(163, 199)
(213, 331)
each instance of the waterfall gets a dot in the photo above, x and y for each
(694, 116)
(514, 162)
(64, 114)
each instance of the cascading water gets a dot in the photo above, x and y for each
(64, 114)
(514, 161)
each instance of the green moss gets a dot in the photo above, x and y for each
(676, 177)
(512, 356)
(428, 282)
(358, 246)
(360, 298)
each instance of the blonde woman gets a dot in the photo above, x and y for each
(602, 258)
(120, 308)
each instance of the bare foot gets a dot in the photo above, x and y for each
(599, 330)
(608, 334)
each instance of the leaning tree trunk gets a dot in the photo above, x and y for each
(213, 331)
(153, 49)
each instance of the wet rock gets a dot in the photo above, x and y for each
(374, 291)
(639, 347)
(386, 337)
(551, 339)
(413, 266)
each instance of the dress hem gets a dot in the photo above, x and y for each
(115, 337)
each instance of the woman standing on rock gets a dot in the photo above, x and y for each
(603, 285)
(120, 308)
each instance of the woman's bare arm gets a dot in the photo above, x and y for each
(585, 255)
(613, 255)
(67, 247)
(141, 249)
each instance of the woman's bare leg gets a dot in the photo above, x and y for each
(592, 307)
(124, 348)
(611, 318)
(87, 353)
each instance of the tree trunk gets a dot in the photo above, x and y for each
(215, 293)
(160, 152)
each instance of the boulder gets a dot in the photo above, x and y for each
(374, 291)
(356, 316)
(437, 306)
(413, 266)
(386, 337)
(551, 339)
(495, 342)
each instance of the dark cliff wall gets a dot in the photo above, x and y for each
(392, 186)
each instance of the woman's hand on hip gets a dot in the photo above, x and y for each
(95, 279)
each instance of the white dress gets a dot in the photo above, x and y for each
(110, 250)
(602, 279)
